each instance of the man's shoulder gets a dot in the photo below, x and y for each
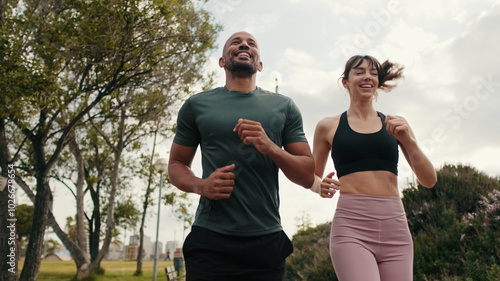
(206, 93)
(204, 97)
(272, 94)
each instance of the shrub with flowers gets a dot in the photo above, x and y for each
(456, 226)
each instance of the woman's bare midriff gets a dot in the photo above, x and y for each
(377, 183)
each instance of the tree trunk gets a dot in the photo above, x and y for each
(42, 202)
(80, 212)
(110, 220)
(80, 259)
(145, 205)
(141, 242)
(95, 224)
(79, 256)
(8, 264)
(35, 245)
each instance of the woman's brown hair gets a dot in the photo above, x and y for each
(387, 71)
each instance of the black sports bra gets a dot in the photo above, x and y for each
(355, 152)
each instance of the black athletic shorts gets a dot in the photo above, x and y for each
(213, 256)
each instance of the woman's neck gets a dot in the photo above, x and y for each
(361, 110)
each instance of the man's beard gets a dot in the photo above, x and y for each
(241, 68)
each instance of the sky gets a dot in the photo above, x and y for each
(450, 94)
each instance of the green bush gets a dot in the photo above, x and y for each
(455, 228)
(310, 259)
(455, 225)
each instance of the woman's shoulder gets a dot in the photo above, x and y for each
(326, 128)
(329, 122)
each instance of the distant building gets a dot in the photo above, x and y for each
(115, 252)
(133, 239)
(172, 245)
(170, 249)
(133, 247)
(160, 249)
(131, 252)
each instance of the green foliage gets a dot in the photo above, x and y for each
(455, 225)
(100, 74)
(455, 228)
(310, 259)
(493, 273)
(24, 219)
(52, 245)
(126, 213)
(71, 229)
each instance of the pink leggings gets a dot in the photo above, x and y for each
(370, 239)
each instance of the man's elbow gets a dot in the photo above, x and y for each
(173, 174)
(307, 178)
(307, 181)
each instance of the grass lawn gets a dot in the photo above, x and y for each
(114, 270)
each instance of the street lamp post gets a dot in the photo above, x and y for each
(160, 166)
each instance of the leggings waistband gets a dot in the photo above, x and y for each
(369, 206)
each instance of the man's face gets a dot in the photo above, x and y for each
(241, 54)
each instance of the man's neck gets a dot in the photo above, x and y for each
(244, 84)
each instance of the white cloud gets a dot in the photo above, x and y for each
(475, 51)
(258, 23)
(450, 95)
(296, 58)
(406, 43)
(451, 91)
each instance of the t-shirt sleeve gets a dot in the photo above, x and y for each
(294, 130)
(187, 133)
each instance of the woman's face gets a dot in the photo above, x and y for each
(362, 80)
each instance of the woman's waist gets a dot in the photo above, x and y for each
(376, 183)
(363, 206)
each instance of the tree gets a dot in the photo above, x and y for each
(303, 222)
(146, 170)
(24, 221)
(71, 229)
(310, 259)
(454, 230)
(146, 173)
(62, 59)
(14, 86)
(126, 213)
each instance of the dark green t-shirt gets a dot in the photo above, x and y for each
(207, 119)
